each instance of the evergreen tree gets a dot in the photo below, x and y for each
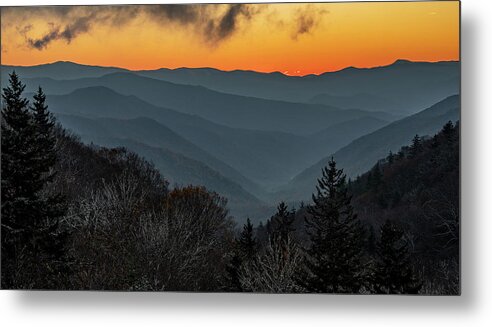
(244, 254)
(52, 238)
(31, 246)
(20, 180)
(448, 129)
(393, 272)
(247, 242)
(334, 261)
(416, 146)
(45, 137)
(282, 221)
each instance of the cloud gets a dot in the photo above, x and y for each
(67, 33)
(306, 20)
(213, 23)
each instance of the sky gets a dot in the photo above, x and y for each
(295, 39)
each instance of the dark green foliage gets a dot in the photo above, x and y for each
(283, 222)
(393, 273)
(245, 250)
(421, 192)
(45, 137)
(247, 242)
(416, 146)
(33, 245)
(334, 262)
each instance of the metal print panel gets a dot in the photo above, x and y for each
(269, 148)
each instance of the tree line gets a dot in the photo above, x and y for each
(78, 216)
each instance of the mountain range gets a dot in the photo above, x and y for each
(391, 88)
(255, 138)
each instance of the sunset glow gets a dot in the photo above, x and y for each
(295, 39)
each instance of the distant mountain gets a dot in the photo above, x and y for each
(58, 70)
(361, 154)
(174, 166)
(339, 135)
(266, 158)
(389, 88)
(366, 101)
(396, 83)
(151, 133)
(225, 109)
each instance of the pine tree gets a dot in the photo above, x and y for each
(247, 242)
(31, 244)
(416, 146)
(20, 180)
(282, 221)
(448, 129)
(334, 262)
(51, 237)
(244, 254)
(45, 137)
(393, 272)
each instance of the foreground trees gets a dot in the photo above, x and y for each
(33, 251)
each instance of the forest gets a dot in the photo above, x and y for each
(78, 216)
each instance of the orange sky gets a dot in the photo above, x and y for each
(296, 39)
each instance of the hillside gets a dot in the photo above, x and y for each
(417, 189)
(362, 153)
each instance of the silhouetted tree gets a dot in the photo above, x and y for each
(32, 244)
(393, 271)
(416, 146)
(244, 253)
(282, 221)
(247, 242)
(334, 262)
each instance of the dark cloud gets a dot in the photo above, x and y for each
(307, 19)
(212, 26)
(228, 23)
(183, 14)
(42, 43)
(68, 33)
(214, 23)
